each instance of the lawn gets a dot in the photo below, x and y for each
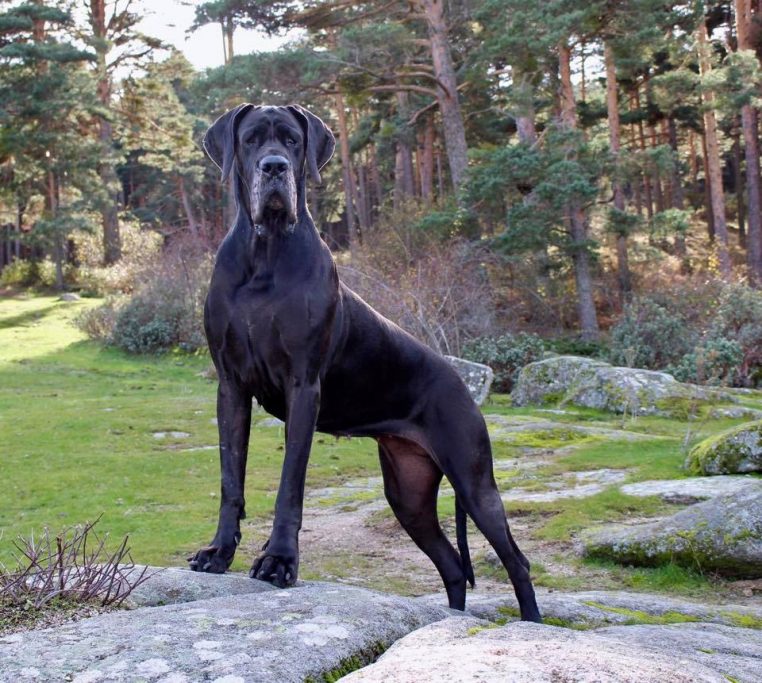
(87, 431)
(80, 437)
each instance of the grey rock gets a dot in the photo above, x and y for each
(737, 450)
(277, 635)
(735, 653)
(69, 296)
(510, 429)
(723, 534)
(692, 489)
(595, 609)
(594, 384)
(476, 376)
(457, 649)
(735, 412)
(173, 585)
(572, 485)
(172, 435)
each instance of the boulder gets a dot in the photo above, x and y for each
(303, 633)
(691, 489)
(735, 451)
(723, 534)
(592, 383)
(476, 376)
(461, 649)
(735, 653)
(596, 609)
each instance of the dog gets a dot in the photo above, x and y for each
(284, 330)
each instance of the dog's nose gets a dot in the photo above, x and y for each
(274, 165)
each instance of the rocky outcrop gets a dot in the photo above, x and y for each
(594, 384)
(276, 635)
(458, 649)
(320, 632)
(735, 451)
(476, 376)
(691, 489)
(723, 534)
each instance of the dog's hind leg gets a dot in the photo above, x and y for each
(466, 460)
(411, 483)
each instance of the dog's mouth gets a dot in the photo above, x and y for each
(274, 201)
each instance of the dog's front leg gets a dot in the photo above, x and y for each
(234, 423)
(280, 562)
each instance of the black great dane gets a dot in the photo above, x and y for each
(284, 330)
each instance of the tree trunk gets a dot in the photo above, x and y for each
(447, 90)
(713, 159)
(676, 193)
(612, 105)
(576, 219)
(112, 243)
(404, 184)
(346, 170)
(648, 198)
(187, 207)
(749, 126)
(427, 162)
(738, 183)
(525, 113)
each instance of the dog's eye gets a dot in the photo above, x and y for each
(291, 142)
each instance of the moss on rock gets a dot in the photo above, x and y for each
(734, 451)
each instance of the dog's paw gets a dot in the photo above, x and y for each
(212, 559)
(278, 570)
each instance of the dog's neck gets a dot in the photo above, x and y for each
(273, 238)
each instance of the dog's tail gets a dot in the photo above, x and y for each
(460, 534)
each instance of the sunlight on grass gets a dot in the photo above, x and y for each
(78, 435)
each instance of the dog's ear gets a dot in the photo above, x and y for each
(220, 140)
(320, 140)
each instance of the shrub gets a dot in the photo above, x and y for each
(166, 310)
(439, 292)
(650, 336)
(715, 362)
(506, 355)
(20, 273)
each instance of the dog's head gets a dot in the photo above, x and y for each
(269, 150)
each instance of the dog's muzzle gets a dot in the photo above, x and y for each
(273, 191)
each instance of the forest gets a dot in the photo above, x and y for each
(510, 178)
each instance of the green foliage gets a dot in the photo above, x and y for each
(714, 362)
(649, 336)
(506, 355)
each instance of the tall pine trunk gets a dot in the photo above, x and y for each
(714, 170)
(346, 171)
(447, 90)
(577, 221)
(612, 105)
(749, 127)
(112, 243)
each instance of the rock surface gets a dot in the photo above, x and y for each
(277, 635)
(735, 654)
(476, 376)
(723, 534)
(594, 384)
(173, 586)
(735, 451)
(457, 649)
(692, 489)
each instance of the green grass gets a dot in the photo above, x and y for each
(76, 435)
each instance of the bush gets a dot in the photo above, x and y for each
(716, 362)
(141, 250)
(20, 273)
(24, 273)
(506, 355)
(439, 292)
(650, 336)
(165, 312)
